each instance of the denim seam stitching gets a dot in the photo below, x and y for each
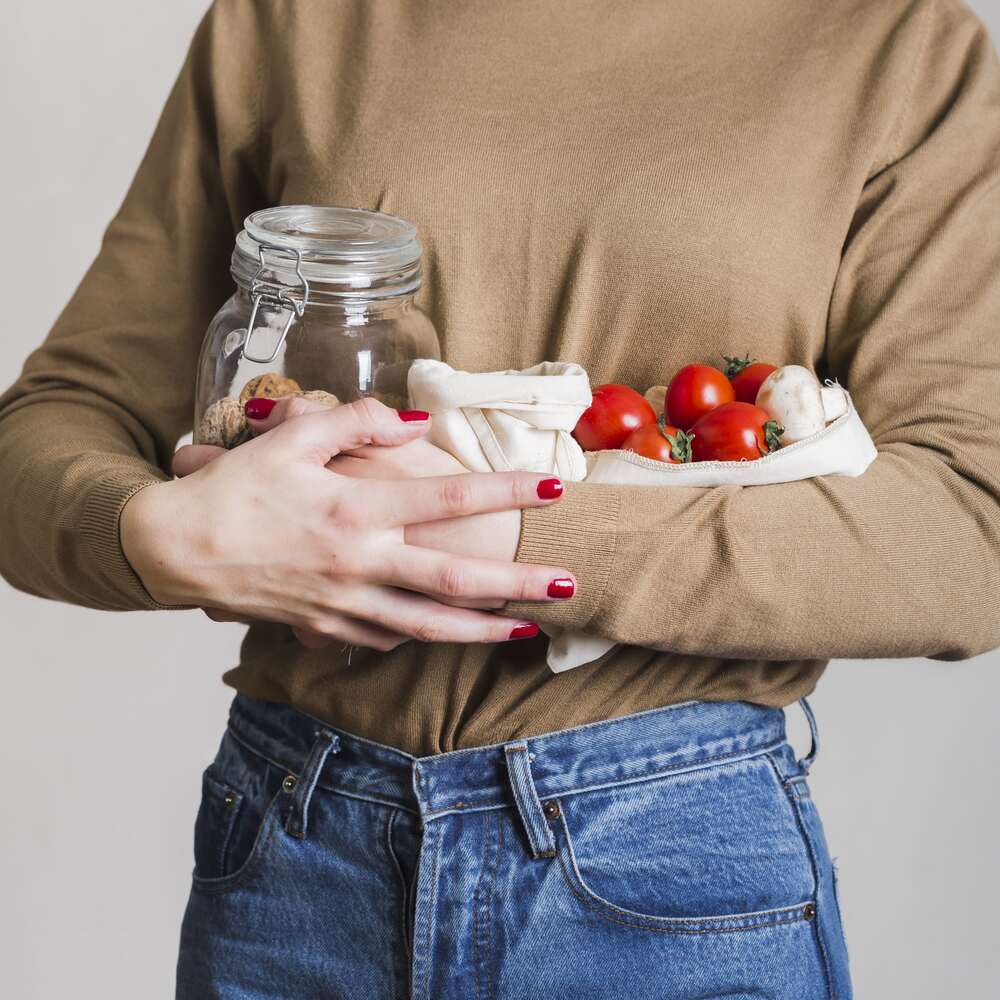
(532, 816)
(264, 837)
(794, 915)
(408, 758)
(836, 898)
(475, 920)
(297, 822)
(282, 766)
(673, 768)
(428, 955)
(389, 824)
(669, 925)
(232, 814)
(497, 856)
(532, 740)
(476, 899)
(793, 801)
(393, 804)
(539, 738)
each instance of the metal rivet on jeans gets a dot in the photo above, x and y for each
(289, 783)
(551, 808)
(230, 800)
(809, 912)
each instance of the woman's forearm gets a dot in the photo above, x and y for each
(99, 406)
(66, 470)
(903, 561)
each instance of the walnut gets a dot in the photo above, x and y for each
(319, 396)
(270, 385)
(223, 424)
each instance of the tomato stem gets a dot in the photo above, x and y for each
(772, 435)
(680, 443)
(735, 365)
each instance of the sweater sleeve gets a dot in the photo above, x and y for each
(98, 408)
(904, 560)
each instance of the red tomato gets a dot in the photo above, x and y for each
(660, 442)
(694, 391)
(736, 432)
(746, 376)
(614, 412)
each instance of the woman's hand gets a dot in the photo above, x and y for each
(268, 531)
(489, 536)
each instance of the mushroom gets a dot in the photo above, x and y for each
(793, 396)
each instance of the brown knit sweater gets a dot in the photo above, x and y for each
(632, 186)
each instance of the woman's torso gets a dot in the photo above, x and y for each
(631, 187)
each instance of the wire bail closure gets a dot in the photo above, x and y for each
(260, 292)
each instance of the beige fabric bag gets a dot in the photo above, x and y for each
(500, 421)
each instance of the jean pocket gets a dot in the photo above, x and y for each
(214, 824)
(241, 806)
(716, 849)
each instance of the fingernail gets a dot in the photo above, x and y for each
(258, 407)
(413, 416)
(562, 587)
(525, 631)
(549, 489)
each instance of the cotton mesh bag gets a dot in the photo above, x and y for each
(523, 420)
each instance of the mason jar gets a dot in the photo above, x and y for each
(323, 307)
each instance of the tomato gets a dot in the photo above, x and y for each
(614, 413)
(735, 432)
(694, 391)
(746, 376)
(660, 442)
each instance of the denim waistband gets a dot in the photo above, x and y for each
(623, 749)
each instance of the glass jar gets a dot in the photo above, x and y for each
(323, 306)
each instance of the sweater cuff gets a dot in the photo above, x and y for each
(578, 533)
(100, 528)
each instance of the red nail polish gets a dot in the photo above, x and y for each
(526, 631)
(258, 407)
(549, 489)
(412, 416)
(562, 587)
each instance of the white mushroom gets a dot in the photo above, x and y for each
(793, 396)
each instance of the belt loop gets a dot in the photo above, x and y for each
(298, 815)
(810, 758)
(540, 839)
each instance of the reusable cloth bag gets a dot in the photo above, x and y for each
(502, 421)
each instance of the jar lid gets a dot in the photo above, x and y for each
(353, 251)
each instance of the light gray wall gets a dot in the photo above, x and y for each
(107, 720)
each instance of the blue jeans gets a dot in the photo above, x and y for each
(671, 854)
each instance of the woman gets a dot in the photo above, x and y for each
(630, 187)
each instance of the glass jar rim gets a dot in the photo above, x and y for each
(351, 251)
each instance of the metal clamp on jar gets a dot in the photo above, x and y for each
(324, 306)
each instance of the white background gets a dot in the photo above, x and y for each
(107, 720)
